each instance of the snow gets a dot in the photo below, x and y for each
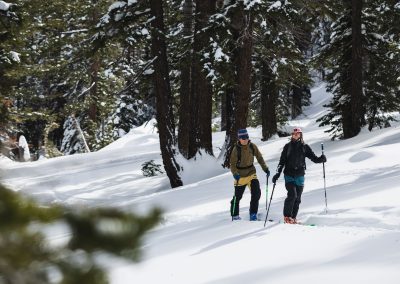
(104, 20)
(116, 5)
(4, 6)
(251, 3)
(119, 16)
(145, 31)
(15, 56)
(131, 2)
(22, 143)
(357, 238)
(220, 55)
(275, 5)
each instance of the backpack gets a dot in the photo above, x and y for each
(303, 147)
(290, 148)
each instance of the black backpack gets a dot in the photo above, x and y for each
(288, 161)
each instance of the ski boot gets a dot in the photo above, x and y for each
(289, 220)
(253, 217)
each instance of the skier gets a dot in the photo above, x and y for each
(244, 174)
(293, 160)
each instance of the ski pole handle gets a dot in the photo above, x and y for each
(322, 147)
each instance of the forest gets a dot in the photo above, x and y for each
(77, 75)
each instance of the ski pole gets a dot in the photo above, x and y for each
(234, 200)
(323, 167)
(269, 205)
(266, 195)
(233, 207)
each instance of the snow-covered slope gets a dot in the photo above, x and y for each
(358, 239)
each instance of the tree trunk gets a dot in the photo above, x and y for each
(356, 69)
(300, 90)
(230, 136)
(296, 101)
(223, 112)
(162, 88)
(201, 85)
(269, 100)
(94, 70)
(186, 81)
(94, 78)
(346, 99)
(243, 67)
(241, 28)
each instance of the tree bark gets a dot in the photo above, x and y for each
(297, 93)
(186, 81)
(356, 69)
(201, 85)
(241, 23)
(230, 136)
(223, 112)
(243, 67)
(162, 88)
(269, 100)
(300, 90)
(94, 78)
(94, 69)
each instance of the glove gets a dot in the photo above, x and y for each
(275, 177)
(236, 176)
(322, 158)
(267, 172)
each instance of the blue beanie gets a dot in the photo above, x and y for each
(242, 134)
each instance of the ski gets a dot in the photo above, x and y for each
(258, 220)
(302, 224)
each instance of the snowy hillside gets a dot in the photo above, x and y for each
(358, 239)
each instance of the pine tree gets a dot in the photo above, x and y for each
(201, 84)
(372, 57)
(121, 19)
(162, 89)
(381, 74)
(281, 64)
(57, 80)
(231, 59)
(186, 43)
(28, 257)
(9, 57)
(10, 24)
(74, 141)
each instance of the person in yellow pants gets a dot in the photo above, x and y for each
(244, 174)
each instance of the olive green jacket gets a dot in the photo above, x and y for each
(246, 167)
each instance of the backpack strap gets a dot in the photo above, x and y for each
(303, 147)
(239, 156)
(289, 148)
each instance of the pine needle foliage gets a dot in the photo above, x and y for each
(28, 256)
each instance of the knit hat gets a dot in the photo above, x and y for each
(297, 130)
(242, 134)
